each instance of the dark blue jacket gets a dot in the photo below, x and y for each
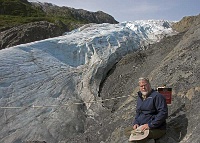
(152, 111)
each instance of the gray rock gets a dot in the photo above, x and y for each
(28, 33)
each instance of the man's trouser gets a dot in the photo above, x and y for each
(153, 134)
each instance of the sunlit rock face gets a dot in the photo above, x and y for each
(41, 81)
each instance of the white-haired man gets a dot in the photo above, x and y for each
(151, 112)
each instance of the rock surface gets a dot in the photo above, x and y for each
(184, 24)
(28, 33)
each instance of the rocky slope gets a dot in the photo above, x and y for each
(30, 32)
(184, 24)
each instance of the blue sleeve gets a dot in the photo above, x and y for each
(136, 116)
(162, 109)
(135, 120)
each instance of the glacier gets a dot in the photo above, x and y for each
(40, 81)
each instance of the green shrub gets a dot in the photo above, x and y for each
(17, 12)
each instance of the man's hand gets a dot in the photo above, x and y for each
(135, 126)
(145, 127)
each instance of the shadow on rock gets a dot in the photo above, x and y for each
(176, 127)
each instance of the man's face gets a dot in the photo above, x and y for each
(145, 87)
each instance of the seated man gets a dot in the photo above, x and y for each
(151, 112)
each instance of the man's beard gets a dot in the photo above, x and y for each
(145, 93)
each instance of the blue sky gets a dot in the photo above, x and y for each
(131, 10)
